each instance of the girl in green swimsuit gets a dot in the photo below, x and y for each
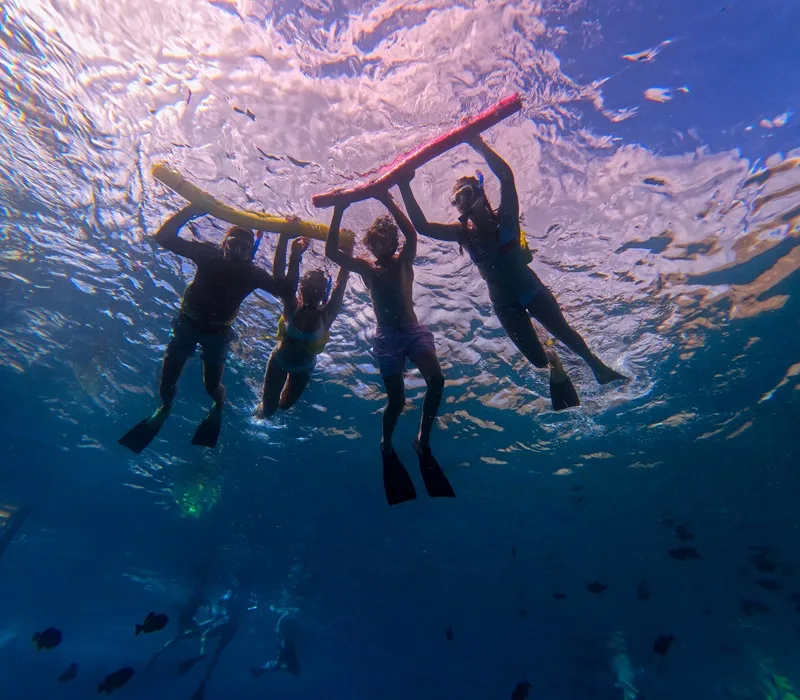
(303, 329)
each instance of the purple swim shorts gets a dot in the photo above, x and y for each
(391, 346)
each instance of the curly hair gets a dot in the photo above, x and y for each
(314, 278)
(383, 228)
(243, 234)
(467, 180)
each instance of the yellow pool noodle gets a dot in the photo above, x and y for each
(241, 217)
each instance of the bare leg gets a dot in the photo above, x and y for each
(518, 326)
(212, 378)
(517, 323)
(428, 365)
(293, 389)
(545, 309)
(274, 380)
(396, 400)
(174, 361)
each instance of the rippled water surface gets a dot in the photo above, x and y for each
(657, 159)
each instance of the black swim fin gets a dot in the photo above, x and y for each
(435, 480)
(143, 433)
(207, 432)
(563, 394)
(396, 481)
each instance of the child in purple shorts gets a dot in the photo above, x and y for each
(390, 280)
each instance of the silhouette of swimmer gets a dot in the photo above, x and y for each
(223, 627)
(188, 626)
(287, 631)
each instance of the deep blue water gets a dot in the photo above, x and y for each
(699, 450)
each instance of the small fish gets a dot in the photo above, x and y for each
(683, 534)
(49, 639)
(154, 622)
(188, 95)
(655, 181)
(245, 111)
(751, 607)
(596, 587)
(769, 585)
(521, 691)
(449, 633)
(684, 553)
(115, 680)
(643, 590)
(764, 560)
(69, 674)
(662, 644)
(558, 595)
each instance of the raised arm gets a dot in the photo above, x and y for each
(334, 305)
(509, 200)
(342, 258)
(167, 236)
(279, 261)
(299, 246)
(441, 232)
(409, 251)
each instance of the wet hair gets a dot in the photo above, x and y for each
(243, 234)
(382, 229)
(315, 278)
(467, 180)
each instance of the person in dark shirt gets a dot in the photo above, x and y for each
(492, 238)
(225, 276)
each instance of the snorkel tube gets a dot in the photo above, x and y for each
(259, 236)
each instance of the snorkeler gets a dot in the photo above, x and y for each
(188, 626)
(224, 628)
(390, 280)
(287, 632)
(493, 240)
(303, 329)
(225, 276)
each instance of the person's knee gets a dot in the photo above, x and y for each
(435, 383)
(396, 403)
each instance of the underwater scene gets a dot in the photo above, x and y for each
(389, 349)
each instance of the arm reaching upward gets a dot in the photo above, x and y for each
(409, 251)
(334, 305)
(441, 232)
(343, 259)
(509, 200)
(167, 236)
(299, 246)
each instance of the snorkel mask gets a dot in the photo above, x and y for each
(468, 194)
